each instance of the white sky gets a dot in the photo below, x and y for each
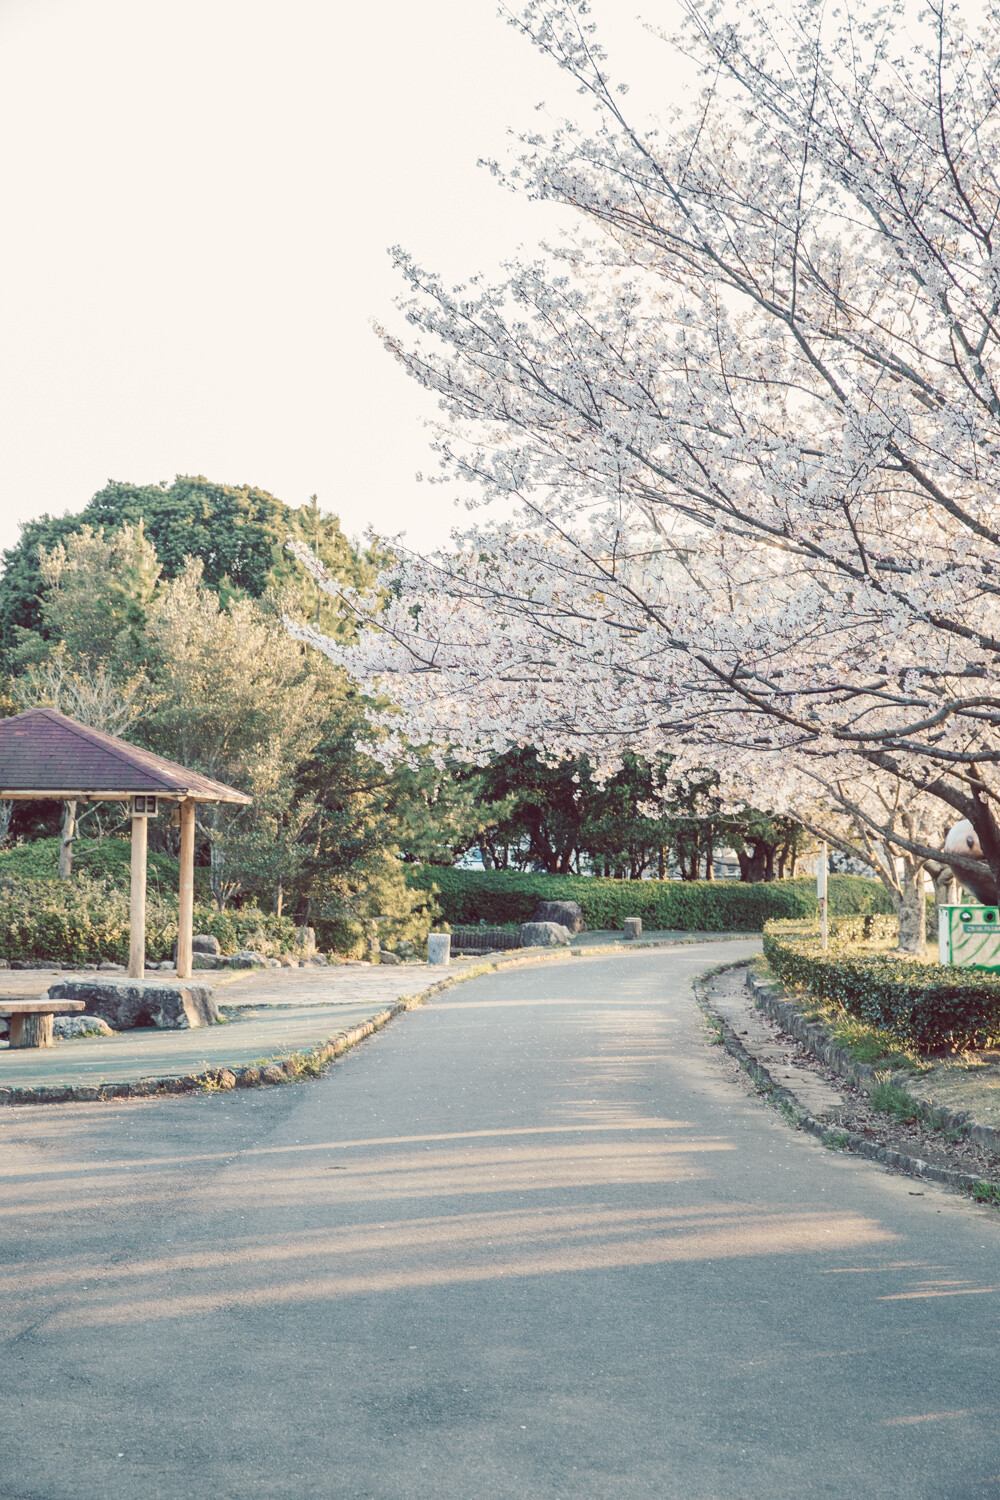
(197, 201)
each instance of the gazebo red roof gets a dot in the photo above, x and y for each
(45, 754)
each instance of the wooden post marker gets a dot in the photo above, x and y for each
(137, 907)
(185, 904)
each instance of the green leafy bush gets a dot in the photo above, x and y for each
(499, 897)
(929, 1004)
(85, 920)
(108, 859)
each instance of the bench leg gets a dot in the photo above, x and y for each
(31, 1031)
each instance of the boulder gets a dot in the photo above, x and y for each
(566, 913)
(67, 1026)
(385, 957)
(128, 1003)
(543, 935)
(202, 942)
(245, 959)
(207, 961)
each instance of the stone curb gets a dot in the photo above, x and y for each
(900, 1161)
(287, 1068)
(768, 998)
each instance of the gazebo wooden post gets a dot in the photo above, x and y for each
(185, 904)
(137, 904)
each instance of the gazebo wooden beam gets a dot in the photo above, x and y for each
(185, 904)
(45, 756)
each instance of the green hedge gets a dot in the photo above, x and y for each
(929, 1005)
(498, 897)
(108, 859)
(86, 920)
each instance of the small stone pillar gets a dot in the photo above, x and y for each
(439, 948)
(632, 928)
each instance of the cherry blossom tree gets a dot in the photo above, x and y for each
(743, 424)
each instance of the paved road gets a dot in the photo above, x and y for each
(532, 1241)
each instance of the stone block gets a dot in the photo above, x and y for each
(543, 935)
(566, 913)
(128, 1003)
(632, 928)
(439, 948)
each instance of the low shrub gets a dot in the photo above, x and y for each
(933, 1006)
(500, 897)
(85, 920)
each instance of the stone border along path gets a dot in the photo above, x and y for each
(801, 1101)
(291, 1051)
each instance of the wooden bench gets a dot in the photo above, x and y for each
(31, 1020)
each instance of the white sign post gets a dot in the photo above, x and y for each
(821, 868)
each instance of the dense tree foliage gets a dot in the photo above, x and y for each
(237, 532)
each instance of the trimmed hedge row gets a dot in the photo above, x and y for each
(499, 897)
(932, 1006)
(84, 921)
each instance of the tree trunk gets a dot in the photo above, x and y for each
(66, 841)
(911, 910)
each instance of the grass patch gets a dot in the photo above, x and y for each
(986, 1192)
(836, 1140)
(889, 1099)
(869, 1044)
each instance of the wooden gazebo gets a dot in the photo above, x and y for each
(46, 756)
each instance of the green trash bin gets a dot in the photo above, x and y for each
(969, 936)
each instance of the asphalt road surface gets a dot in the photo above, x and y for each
(533, 1240)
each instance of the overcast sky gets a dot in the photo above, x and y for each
(197, 202)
